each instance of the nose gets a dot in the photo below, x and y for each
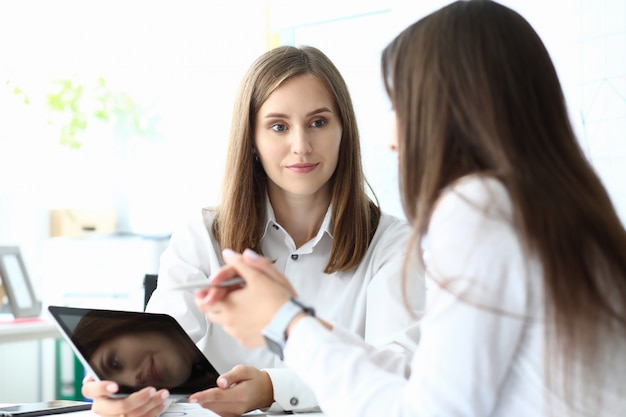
(139, 378)
(301, 143)
(129, 377)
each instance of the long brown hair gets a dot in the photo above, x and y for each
(95, 328)
(475, 92)
(239, 221)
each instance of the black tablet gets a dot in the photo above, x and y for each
(44, 408)
(135, 349)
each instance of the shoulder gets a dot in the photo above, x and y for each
(476, 198)
(472, 239)
(192, 253)
(391, 231)
(389, 222)
(195, 225)
(479, 191)
(473, 214)
(473, 211)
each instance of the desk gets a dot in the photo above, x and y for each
(17, 330)
(22, 353)
(183, 409)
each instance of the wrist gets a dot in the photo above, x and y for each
(268, 391)
(293, 322)
(275, 333)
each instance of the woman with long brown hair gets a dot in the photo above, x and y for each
(294, 190)
(526, 311)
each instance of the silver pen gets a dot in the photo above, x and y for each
(206, 284)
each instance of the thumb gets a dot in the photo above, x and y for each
(236, 375)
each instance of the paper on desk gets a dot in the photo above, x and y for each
(195, 410)
(186, 409)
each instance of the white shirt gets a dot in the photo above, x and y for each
(366, 301)
(471, 361)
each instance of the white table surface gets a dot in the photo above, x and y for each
(180, 410)
(14, 330)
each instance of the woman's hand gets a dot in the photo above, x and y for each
(240, 390)
(245, 312)
(147, 402)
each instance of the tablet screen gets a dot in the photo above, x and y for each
(136, 349)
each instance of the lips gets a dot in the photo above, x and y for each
(154, 372)
(303, 168)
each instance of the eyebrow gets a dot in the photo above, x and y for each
(309, 114)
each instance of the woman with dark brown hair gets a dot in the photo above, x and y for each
(294, 190)
(138, 351)
(526, 311)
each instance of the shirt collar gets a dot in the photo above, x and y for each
(270, 218)
(325, 228)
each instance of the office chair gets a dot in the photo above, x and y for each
(149, 285)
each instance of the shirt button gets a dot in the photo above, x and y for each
(293, 401)
(275, 226)
(294, 256)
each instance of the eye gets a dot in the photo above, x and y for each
(113, 362)
(278, 127)
(318, 123)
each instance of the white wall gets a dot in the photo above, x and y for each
(586, 39)
(182, 59)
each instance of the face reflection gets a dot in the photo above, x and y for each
(142, 359)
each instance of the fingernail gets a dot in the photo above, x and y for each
(222, 382)
(111, 387)
(250, 254)
(228, 253)
(152, 391)
(193, 401)
(165, 394)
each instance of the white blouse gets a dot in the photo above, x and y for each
(366, 301)
(478, 357)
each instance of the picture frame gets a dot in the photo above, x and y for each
(17, 284)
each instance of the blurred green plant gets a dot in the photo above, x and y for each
(18, 92)
(73, 104)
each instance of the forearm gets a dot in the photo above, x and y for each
(334, 368)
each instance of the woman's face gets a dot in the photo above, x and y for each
(142, 359)
(297, 136)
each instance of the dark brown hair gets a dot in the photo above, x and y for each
(475, 92)
(94, 329)
(239, 221)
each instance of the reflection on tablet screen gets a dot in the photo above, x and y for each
(138, 350)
